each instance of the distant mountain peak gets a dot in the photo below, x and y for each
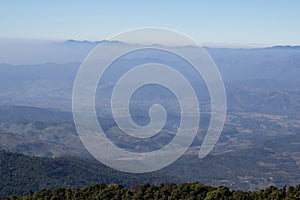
(72, 41)
(284, 47)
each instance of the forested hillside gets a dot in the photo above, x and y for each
(20, 174)
(163, 191)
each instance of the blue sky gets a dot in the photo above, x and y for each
(258, 22)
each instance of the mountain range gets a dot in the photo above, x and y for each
(259, 145)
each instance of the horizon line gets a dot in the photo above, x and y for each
(229, 45)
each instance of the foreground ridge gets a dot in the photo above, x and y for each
(164, 191)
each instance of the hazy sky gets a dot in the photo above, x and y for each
(262, 22)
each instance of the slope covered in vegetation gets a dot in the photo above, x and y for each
(20, 174)
(163, 191)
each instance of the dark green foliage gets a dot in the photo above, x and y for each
(24, 175)
(164, 191)
(20, 174)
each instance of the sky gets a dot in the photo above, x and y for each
(239, 22)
